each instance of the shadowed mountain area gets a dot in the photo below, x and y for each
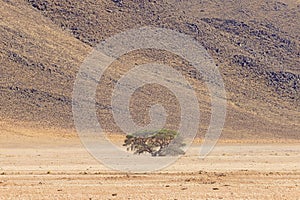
(255, 44)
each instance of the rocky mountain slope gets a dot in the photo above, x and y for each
(256, 45)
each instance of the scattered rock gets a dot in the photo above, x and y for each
(118, 2)
(244, 61)
(220, 174)
(193, 27)
(285, 83)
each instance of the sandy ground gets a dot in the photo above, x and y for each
(37, 168)
(51, 164)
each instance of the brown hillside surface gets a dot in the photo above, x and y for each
(38, 65)
(255, 44)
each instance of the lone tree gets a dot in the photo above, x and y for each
(157, 143)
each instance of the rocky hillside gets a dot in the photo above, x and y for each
(256, 45)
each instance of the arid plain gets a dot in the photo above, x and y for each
(256, 46)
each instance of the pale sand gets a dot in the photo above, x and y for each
(60, 168)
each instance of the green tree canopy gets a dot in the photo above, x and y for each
(157, 143)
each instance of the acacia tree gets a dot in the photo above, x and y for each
(157, 143)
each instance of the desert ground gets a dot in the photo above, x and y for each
(256, 46)
(37, 166)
